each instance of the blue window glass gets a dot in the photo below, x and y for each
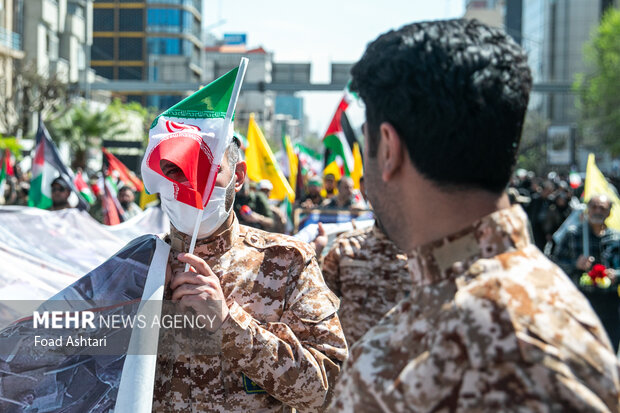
(164, 46)
(164, 20)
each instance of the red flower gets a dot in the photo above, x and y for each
(597, 271)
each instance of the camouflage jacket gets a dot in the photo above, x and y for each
(369, 275)
(491, 325)
(281, 344)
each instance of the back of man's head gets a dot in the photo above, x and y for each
(456, 92)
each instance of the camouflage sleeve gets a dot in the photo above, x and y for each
(351, 394)
(512, 386)
(331, 269)
(297, 359)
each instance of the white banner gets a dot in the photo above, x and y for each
(42, 252)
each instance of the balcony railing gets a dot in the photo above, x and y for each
(10, 39)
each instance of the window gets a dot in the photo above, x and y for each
(164, 20)
(52, 46)
(130, 48)
(167, 101)
(104, 71)
(75, 9)
(164, 46)
(103, 20)
(130, 20)
(135, 98)
(102, 48)
(130, 73)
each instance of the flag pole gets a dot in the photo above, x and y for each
(220, 142)
(585, 235)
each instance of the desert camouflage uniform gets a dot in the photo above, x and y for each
(281, 345)
(369, 275)
(491, 325)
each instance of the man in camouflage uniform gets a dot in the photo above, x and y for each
(281, 342)
(491, 324)
(369, 275)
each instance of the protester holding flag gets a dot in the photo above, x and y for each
(281, 341)
(46, 166)
(60, 194)
(577, 254)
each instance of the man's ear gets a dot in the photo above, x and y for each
(240, 173)
(391, 151)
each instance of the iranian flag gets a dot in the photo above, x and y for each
(335, 140)
(192, 135)
(46, 167)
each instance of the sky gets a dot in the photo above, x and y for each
(321, 31)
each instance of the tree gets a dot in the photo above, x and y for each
(83, 127)
(120, 111)
(12, 144)
(532, 153)
(31, 93)
(599, 88)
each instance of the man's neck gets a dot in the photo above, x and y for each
(442, 213)
(598, 229)
(60, 206)
(229, 221)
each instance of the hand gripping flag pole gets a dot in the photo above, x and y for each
(223, 132)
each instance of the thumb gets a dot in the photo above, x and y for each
(321, 229)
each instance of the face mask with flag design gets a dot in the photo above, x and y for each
(186, 144)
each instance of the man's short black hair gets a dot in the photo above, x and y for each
(123, 189)
(232, 152)
(456, 91)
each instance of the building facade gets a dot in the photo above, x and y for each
(10, 53)
(554, 35)
(221, 59)
(57, 36)
(490, 12)
(154, 40)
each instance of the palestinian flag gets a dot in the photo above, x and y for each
(46, 167)
(83, 187)
(335, 140)
(310, 160)
(124, 174)
(192, 137)
(112, 209)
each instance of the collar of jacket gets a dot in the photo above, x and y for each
(502, 231)
(210, 246)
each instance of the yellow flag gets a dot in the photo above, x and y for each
(334, 169)
(146, 199)
(262, 164)
(292, 161)
(358, 166)
(596, 184)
